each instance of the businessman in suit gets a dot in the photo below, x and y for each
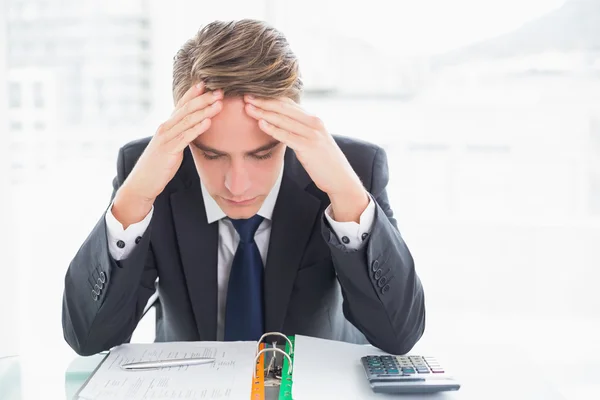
(246, 216)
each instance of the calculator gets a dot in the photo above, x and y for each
(407, 374)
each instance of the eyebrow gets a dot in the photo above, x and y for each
(265, 147)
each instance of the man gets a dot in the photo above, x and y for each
(252, 217)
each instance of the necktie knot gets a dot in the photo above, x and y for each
(246, 228)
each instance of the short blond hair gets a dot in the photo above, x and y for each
(239, 57)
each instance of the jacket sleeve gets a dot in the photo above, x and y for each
(383, 296)
(103, 299)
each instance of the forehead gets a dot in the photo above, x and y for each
(232, 130)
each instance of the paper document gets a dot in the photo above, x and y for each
(328, 369)
(230, 377)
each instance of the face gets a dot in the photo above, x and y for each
(237, 162)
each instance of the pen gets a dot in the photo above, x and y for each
(176, 362)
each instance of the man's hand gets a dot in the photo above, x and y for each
(163, 155)
(316, 149)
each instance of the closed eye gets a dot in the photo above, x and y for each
(264, 156)
(209, 156)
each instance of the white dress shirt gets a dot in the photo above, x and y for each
(229, 238)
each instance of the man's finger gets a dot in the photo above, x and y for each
(295, 142)
(195, 104)
(193, 91)
(186, 137)
(193, 119)
(289, 109)
(281, 121)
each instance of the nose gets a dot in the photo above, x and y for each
(237, 180)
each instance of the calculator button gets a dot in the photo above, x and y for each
(408, 370)
(437, 371)
(422, 371)
(393, 371)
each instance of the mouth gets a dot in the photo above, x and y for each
(241, 203)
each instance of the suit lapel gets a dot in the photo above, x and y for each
(293, 219)
(198, 243)
(294, 216)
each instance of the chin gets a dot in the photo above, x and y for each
(240, 212)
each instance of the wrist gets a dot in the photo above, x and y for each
(129, 208)
(349, 206)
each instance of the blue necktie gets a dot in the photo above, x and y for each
(244, 307)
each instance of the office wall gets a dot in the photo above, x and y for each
(8, 295)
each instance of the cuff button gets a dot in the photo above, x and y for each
(375, 265)
(385, 289)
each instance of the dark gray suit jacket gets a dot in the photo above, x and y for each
(313, 285)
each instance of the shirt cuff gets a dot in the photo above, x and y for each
(353, 234)
(121, 242)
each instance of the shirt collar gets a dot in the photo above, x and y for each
(215, 213)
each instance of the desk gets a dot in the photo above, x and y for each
(485, 372)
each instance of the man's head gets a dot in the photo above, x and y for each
(237, 162)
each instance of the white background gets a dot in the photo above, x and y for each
(495, 170)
